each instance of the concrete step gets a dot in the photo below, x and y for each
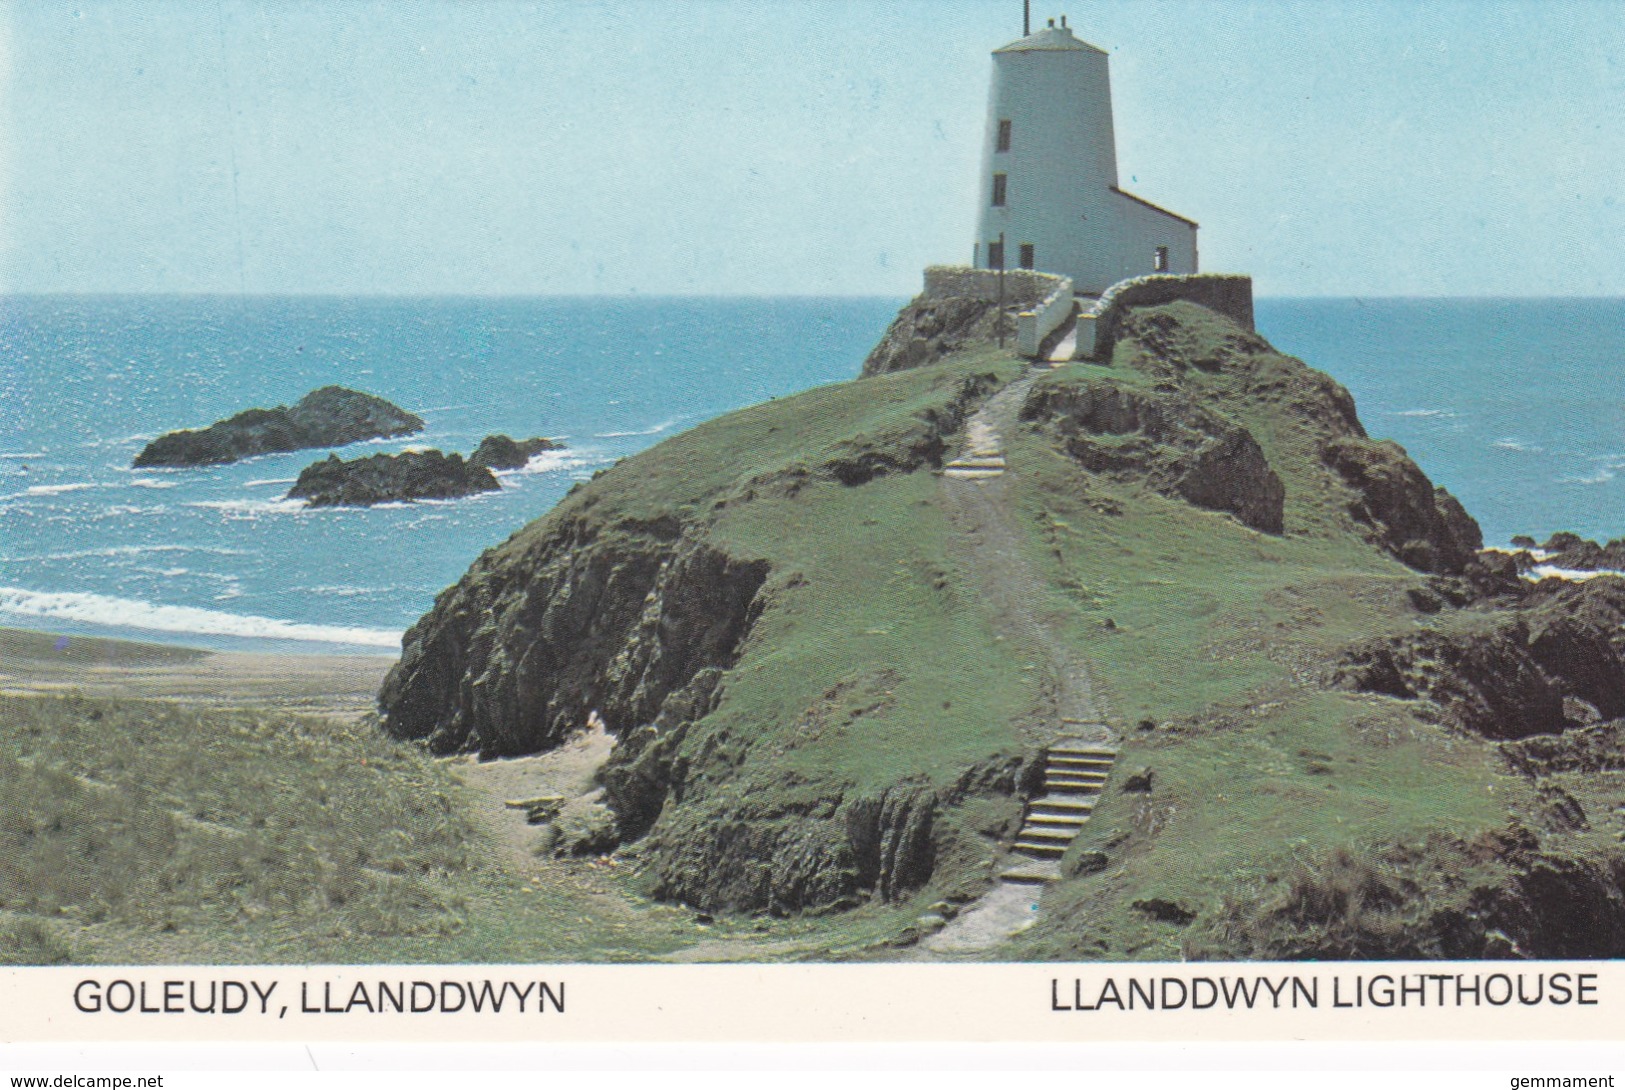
(1070, 822)
(1105, 761)
(1035, 834)
(1047, 833)
(1033, 872)
(1053, 769)
(1040, 849)
(1066, 760)
(971, 474)
(993, 461)
(1074, 779)
(1077, 747)
(1062, 804)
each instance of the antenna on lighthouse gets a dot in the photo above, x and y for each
(1026, 17)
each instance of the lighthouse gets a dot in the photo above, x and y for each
(1049, 173)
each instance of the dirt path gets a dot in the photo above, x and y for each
(569, 773)
(566, 772)
(990, 548)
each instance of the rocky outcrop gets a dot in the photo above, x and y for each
(502, 452)
(1424, 526)
(329, 417)
(1596, 748)
(1200, 359)
(1500, 895)
(1166, 440)
(609, 618)
(390, 478)
(785, 850)
(1575, 553)
(1553, 663)
(957, 310)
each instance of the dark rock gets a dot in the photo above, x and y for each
(1169, 441)
(1164, 911)
(586, 830)
(385, 478)
(1523, 541)
(1527, 671)
(501, 452)
(1561, 810)
(1088, 863)
(1424, 526)
(1596, 748)
(1576, 553)
(1139, 782)
(582, 617)
(1424, 600)
(1562, 542)
(329, 417)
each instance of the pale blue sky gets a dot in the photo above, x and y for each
(784, 147)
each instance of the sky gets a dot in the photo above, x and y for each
(776, 147)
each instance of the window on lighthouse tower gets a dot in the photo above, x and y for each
(998, 190)
(1004, 135)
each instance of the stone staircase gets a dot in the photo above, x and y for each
(1075, 772)
(975, 466)
(983, 456)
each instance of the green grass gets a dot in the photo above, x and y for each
(686, 475)
(872, 664)
(141, 831)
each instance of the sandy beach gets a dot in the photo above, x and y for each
(40, 662)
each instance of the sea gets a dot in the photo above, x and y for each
(1514, 405)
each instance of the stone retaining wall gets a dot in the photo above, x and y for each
(1225, 293)
(1023, 288)
(1032, 326)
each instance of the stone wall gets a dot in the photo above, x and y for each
(1032, 326)
(1023, 288)
(1228, 294)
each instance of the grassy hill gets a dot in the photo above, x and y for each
(818, 707)
(1344, 731)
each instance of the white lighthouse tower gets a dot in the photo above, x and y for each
(1049, 173)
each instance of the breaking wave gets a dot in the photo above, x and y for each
(189, 620)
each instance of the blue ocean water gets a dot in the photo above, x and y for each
(1515, 405)
(1510, 404)
(215, 557)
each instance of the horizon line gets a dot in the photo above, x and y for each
(642, 296)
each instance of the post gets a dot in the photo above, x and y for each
(998, 320)
(1026, 17)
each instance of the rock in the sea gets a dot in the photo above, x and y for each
(329, 417)
(1570, 550)
(501, 452)
(384, 478)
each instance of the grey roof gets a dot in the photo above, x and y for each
(1050, 38)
